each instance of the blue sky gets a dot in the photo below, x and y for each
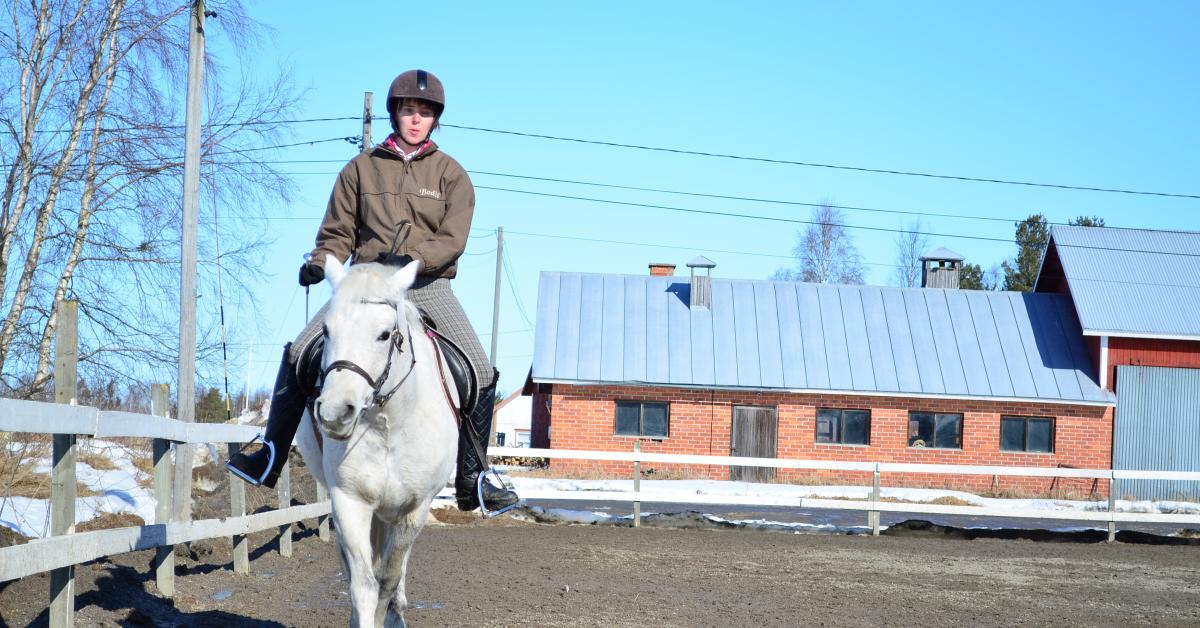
(1099, 94)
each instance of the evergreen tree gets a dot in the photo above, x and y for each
(1032, 235)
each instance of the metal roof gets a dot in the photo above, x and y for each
(1132, 281)
(639, 329)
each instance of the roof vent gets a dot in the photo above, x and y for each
(939, 268)
(701, 284)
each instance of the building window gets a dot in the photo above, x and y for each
(935, 429)
(1032, 434)
(642, 418)
(844, 427)
(499, 439)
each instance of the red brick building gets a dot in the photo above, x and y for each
(693, 365)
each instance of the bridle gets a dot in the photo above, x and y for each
(378, 397)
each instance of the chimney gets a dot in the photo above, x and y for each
(701, 284)
(661, 269)
(939, 268)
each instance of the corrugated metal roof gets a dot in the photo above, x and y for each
(800, 336)
(1132, 281)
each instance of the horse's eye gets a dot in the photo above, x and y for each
(325, 330)
(384, 336)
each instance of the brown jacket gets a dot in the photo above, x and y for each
(378, 192)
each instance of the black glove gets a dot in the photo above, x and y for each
(399, 261)
(310, 273)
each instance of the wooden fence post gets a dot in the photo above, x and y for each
(1112, 508)
(62, 486)
(637, 486)
(285, 500)
(164, 472)
(237, 508)
(873, 514)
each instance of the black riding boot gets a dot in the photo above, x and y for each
(262, 467)
(473, 439)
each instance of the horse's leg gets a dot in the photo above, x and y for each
(354, 529)
(391, 582)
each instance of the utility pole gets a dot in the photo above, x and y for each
(187, 282)
(496, 301)
(366, 134)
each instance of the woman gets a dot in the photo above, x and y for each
(400, 202)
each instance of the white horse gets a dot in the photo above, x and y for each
(390, 434)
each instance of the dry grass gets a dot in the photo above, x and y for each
(946, 500)
(97, 461)
(108, 521)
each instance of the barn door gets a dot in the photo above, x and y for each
(754, 429)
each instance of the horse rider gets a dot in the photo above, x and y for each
(400, 202)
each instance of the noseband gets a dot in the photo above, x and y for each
(378, 398)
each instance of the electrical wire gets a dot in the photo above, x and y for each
(809, 164)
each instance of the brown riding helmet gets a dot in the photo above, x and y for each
(416, 84)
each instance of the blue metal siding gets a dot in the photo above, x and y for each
(745, 329)
(591, 326)
(545, 335)
(784, 335)
(658, 362)
(770, 358)
(612, 348)
(1158, 429)
(791, 336)
(634, 347)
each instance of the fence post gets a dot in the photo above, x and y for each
(237, 508)
(1112, 508)
(164, 472)
(285, 500)
(323, 520)
(637, 486)
(62, 484)
(873, 514)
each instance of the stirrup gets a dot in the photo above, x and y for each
(483, 509)
(270, 461)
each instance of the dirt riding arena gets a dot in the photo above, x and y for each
(518, 572)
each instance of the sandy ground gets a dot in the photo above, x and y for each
(509, 572)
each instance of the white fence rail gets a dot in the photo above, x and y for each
(63, 552)
(873, 505)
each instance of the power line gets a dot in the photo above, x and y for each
(809, 164)
(672, 246)
(737, 215)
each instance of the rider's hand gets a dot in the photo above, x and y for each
(310, 273)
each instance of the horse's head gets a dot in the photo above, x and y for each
(367, 342)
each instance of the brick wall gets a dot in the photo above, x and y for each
(583, 417)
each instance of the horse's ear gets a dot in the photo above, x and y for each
(333, 271)
(403, 279)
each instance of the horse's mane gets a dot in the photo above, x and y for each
(367, 282)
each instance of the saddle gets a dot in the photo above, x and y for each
(466, 382)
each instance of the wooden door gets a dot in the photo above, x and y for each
(753, 436)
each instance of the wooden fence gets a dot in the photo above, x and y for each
(873, 505)
(60, 553)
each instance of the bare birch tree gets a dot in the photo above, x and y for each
(91, 96)
(825, 251)
(910, 244)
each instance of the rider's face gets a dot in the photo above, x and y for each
(417, 118)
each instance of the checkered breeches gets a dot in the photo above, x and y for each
(438, 301)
